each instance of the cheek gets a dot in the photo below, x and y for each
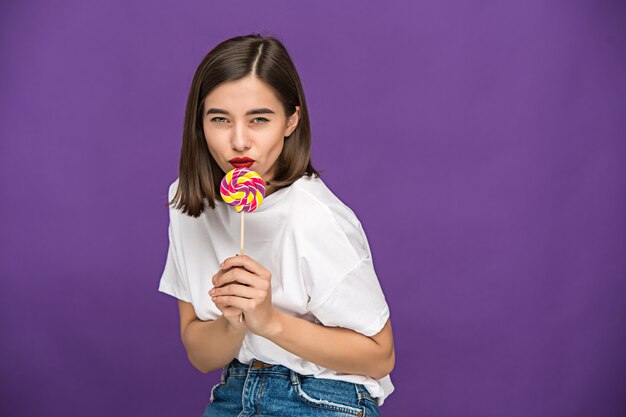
(213, 154)
(214, 150)
(274, 147)
(277, 138)
(210, 144)
(214, 140)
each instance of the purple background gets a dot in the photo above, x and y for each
(482, 145)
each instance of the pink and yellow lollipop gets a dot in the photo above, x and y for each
(243, 188)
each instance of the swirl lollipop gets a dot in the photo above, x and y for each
(244, 189)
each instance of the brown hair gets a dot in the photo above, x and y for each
(266, 58)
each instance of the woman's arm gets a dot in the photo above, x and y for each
(336, 348)
(210, 344)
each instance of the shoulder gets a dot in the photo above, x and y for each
(318, 215)
(313, 199)
(172, 189)
(175, 214)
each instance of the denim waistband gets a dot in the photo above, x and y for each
(236, 368)
(239, 369)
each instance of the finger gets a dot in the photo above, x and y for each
(215, 276)
(237, 290)
(231, 312)
(218, 277)
(232, 301)
(238, 275)
(244, 261)
(226, 309)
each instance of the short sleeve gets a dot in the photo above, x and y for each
(173, 281)
(338, 271)
(357, 302)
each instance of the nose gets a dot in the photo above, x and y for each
(239, 140)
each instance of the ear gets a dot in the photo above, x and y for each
(292, 123)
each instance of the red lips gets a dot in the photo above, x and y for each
(239, 162)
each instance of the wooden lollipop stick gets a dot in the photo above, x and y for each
(241, 240)
(241, 253)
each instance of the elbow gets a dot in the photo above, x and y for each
(202, 369)
(192, 360)
(202, 364)
(383, 372)
(386, 366)
(198, 365)
(392, 362)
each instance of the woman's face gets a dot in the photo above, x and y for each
(244, 119)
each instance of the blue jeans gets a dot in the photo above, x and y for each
(262, 390)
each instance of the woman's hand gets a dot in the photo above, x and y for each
(254, 297)
(231, 314)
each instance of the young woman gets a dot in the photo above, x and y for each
(315, 339)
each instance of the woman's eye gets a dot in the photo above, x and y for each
(222, 119)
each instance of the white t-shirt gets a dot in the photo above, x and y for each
(318, 255)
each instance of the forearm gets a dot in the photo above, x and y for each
(340, 349)
(212, 344)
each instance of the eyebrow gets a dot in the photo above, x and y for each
(263, 110)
